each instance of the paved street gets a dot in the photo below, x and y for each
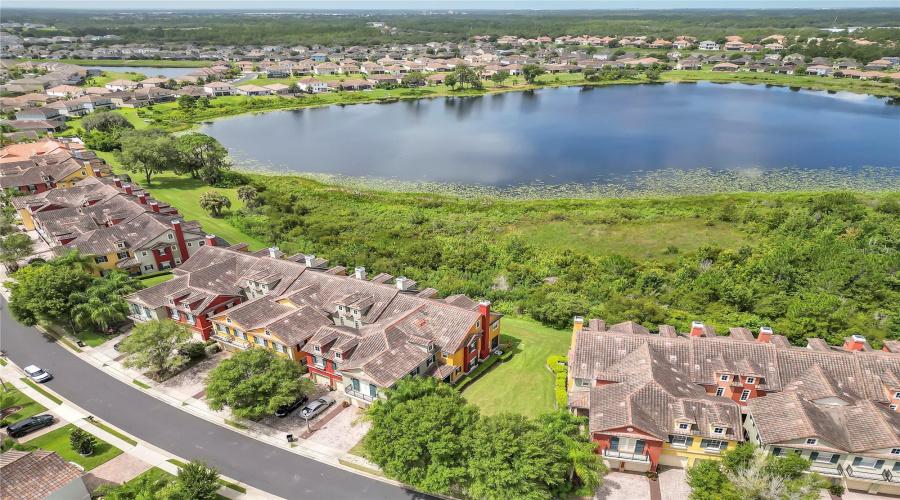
(261, 465)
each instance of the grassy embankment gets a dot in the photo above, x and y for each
(29, 406)
(184, 193)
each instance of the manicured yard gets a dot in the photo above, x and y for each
(184, 193)
(41, 390)
(640, 240)
(58, 441)
(522, 384)
(29, 406)
(155, 280)
(115, 433)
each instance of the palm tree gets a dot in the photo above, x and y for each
(584, 461)
(76, 260)
(13, 248)
(102, 303)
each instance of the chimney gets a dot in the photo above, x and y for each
(696, 329)
(128, 189)
(273, 252)
(211, 240)
(360, 273)
(765, 334)
(855, 343)
(179, 236)
(309, 260)
(117, 182)
(484, 307)
(142, 198)
(97, 172)
(154, 206)
(402, 283)
(578, 324)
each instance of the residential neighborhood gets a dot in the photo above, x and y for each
(449, 253)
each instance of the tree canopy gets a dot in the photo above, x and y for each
(148, 152)
(155, 345)
(253, 383)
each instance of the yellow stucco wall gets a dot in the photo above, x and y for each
(685, 457)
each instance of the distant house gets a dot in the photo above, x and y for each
(152, 82)
(709, 45)
(42, 113)
(277, 88)
(689, 64)
(730, 46)
(64, 90)
(312, 85)
(820, 70)
(319, 57)
(725, 67)
(219, 89)
(277, 72)
(119, 85)
(327, 68)
(253, 90)
(785, 70)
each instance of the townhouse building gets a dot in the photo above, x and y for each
(674, 398)
(47, 164)
(356, 334)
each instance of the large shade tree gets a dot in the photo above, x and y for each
(253, 383)
(155, 345)
(149, 152)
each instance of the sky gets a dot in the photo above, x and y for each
(460, 5)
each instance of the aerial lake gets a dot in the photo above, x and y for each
(148, 71)
(573, 134)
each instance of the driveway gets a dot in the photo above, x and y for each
(122, 468)
(191, 383)
(343, 431)
(672, 484)
(245, 459)
(624, 486)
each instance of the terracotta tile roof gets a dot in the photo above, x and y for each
(34, 475)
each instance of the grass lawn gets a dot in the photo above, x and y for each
(184, 193)
(41, 390)
(58, 441)
(29, 406)
(640, 240)
(522, 384)
(114, 432)
(91, 337)
(155, 280)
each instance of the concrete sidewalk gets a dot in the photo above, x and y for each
(142, 451)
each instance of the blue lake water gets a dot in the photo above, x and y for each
(148, 71)
(573, 134)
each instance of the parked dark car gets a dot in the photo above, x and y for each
(29, 425)
(286, 410)
(318, 406)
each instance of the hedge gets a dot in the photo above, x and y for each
(557, 366)
(474, 374)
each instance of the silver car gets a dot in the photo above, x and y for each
(316, 407)
(37, 374)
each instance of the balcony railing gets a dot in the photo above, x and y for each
(883, 476)
(625, 455)
(827, 469)
(228, 340)
(359, 395)
(138, 318)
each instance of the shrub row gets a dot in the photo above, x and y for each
(474, 374)
(557, 366)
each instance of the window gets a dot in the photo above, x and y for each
(122, 255)
(720, 391)
(478, 324)
(148, 267)
(824, 458)
(897, 395)
(895, 451)
(241, 335)
(715, 445)
(200, 243)
(101, 259)
(171, 236)
(259, 340)
(432, 359)
(751, 380)
(317, 349)
(745, 395)
(314, 360)
(162, 251)
(337, 355)
(724, 378)
(220, 328)
(373, 391)
(718, 430)
(83, 172)
(143, 254)
(684, 427)
(174, 314)
(178, 261)
(473, 347)
(679, 441)
(893, 407)
(189, 318)
(190, 244)
(868, 463)
(120, 245)
(335, 366)
(812, 441)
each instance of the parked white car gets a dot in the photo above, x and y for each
(37, 374)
